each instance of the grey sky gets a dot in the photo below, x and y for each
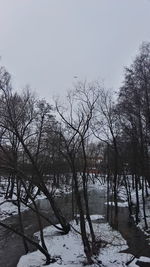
(45, 43)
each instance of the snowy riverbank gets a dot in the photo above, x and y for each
(68, 249)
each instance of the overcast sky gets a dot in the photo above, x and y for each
(45, 43)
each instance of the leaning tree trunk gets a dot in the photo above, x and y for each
(86, 244)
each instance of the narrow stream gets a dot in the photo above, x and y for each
(136, 240)
(11, 248)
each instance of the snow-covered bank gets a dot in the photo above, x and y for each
(68, 249)
(8, 207)
(119, 204)
(59, 245)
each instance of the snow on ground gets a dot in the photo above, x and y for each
(97, 185)
(7, 209)
(141, 224)
(119, 204)
(68, 249)
(7, 206)
(97, 217)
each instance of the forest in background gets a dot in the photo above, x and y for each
(93, 134)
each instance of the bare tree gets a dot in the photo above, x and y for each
(75, 131)
(106, 129)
